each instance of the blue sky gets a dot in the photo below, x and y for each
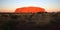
(11, 5)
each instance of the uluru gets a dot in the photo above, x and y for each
(29, 10)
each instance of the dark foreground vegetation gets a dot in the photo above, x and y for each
(36, 21)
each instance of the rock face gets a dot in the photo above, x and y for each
(29, 10)
(32, 21)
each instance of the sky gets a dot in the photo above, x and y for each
(12, 5)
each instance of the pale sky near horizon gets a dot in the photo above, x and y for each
(11, 5)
